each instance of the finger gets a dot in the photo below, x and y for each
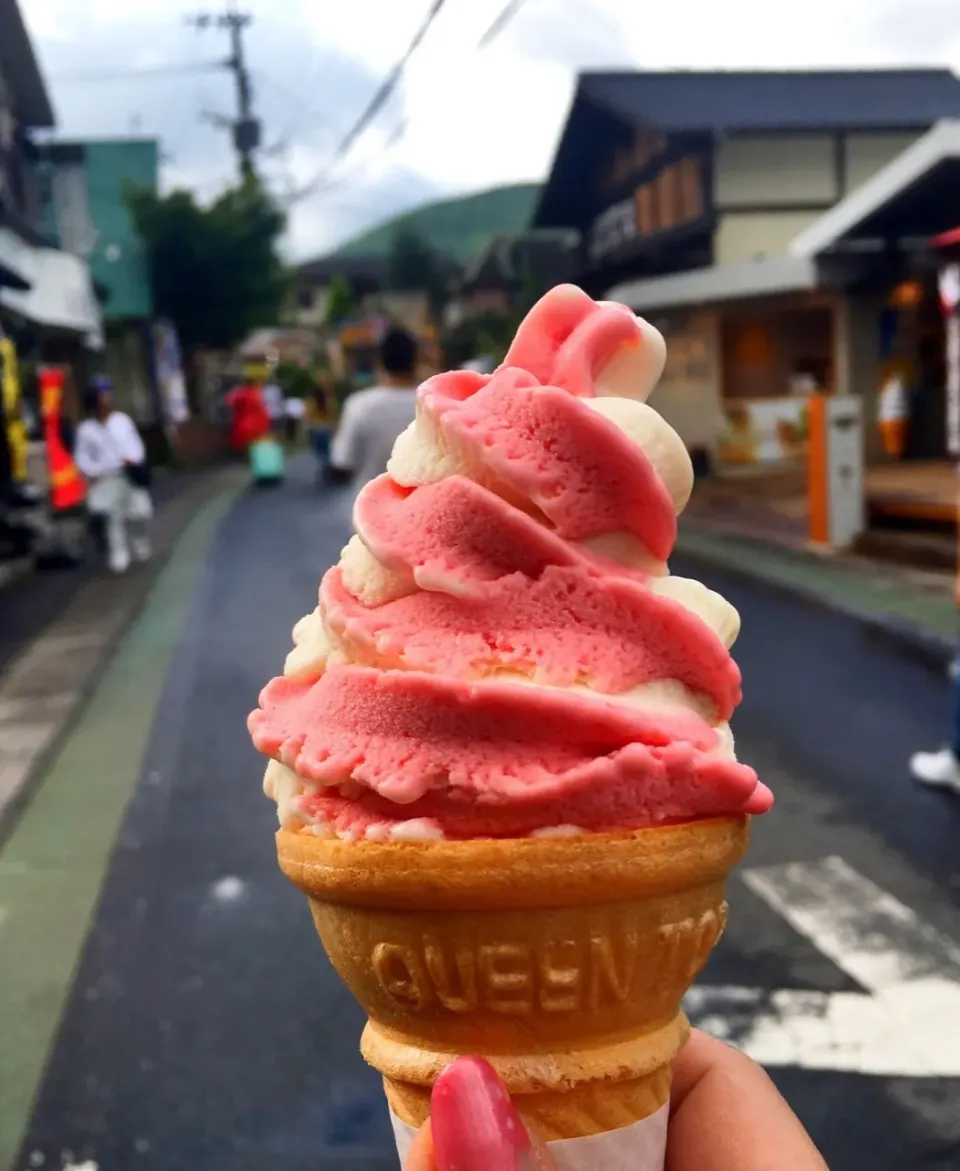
(726, 1114)
(476, 1127)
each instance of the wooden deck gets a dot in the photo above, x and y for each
(919, 492)
(912, 498)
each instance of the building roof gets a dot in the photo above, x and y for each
(772, 276)
(862, 99)
(19, 66)
(729, 102)
(322, 269)
(507, 259)
(914, 195)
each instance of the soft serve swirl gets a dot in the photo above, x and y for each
(500, 651)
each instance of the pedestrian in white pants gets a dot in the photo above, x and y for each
(110, 454)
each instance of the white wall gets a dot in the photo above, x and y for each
(764, 169)
(867, 153)
(742, 236)
(688, 394)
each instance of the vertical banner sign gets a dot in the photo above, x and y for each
(949, 284)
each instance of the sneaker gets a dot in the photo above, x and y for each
(940, 770)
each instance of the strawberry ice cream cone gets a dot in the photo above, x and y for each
(500, 748)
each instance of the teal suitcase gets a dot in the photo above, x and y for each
(267, 461)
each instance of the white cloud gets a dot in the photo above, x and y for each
(474, 119)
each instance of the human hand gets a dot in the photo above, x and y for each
(725, 1115)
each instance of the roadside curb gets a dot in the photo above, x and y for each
(922, 645)
(183, 509)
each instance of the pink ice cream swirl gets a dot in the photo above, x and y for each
(500, 651)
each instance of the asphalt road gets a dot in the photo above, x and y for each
(205, 1028)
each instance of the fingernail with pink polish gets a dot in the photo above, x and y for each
(475, 1125)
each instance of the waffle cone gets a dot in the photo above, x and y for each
(563, 961)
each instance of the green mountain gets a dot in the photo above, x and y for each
(455, 227)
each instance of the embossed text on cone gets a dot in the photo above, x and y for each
(561, 960)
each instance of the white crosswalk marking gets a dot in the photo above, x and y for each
(867, 933)
(905, 1024)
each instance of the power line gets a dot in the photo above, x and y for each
(376, 103)
(318, 186)
(97, 75)
(500, 22)
(389, 83)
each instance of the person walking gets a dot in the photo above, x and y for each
(941, 769)
(372, 419)
(110, 453)
(319, 421)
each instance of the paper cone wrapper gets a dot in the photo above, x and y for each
(562, 961)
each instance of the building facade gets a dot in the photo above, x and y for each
(701, 201)
(82, 191)
(47, 298)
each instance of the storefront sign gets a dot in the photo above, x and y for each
(673, 198)
(764, 431)
(168, 369)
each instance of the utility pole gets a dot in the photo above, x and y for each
(245, 127)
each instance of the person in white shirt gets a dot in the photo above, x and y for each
(372, 419)
(111, 456)
(276, 407)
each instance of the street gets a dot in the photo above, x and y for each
(203, 1027)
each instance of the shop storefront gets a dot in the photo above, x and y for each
(784, 250)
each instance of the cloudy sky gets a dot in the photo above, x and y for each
(472, 118)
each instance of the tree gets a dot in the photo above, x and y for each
(340, 300)
(215, 270)
(412, 263)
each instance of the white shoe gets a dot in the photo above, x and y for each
(940, 770)
(119, 564)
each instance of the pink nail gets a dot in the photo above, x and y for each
(475, 1125)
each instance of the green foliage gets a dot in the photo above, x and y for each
(215, 270)
(487, 334)
(341, 303)
(294, 380)
(455, 228)
(413, 264)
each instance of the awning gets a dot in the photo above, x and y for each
(59, 292)
(14, 261)
(733, 282)
(913, 197)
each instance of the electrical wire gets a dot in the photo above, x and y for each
(500, 22)
(376, 103)
(318, 186)
(97, 75)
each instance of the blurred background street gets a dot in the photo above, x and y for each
(213, 222)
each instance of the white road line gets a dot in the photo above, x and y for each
(867, 933)
(906, 1024)
(913, 1031)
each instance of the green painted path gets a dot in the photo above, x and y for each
(53, 864)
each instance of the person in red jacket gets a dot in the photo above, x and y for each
(250, 419)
